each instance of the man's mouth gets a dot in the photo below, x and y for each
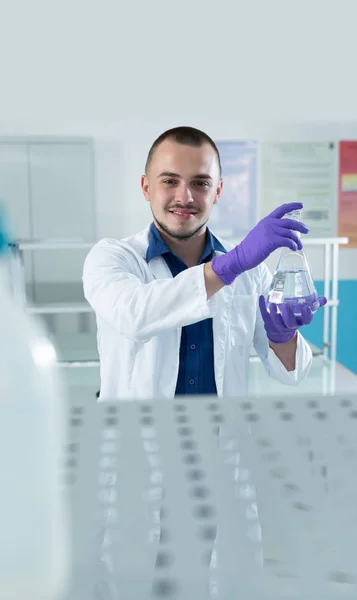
(181, 211)
(182, 215)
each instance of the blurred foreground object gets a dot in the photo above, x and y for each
(199, 498)
(34, 535)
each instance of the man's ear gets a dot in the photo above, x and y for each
(145, 187)
(218, 192)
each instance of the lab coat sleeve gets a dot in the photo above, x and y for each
(113, 286)
(271, 362)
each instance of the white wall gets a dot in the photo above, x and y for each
(87, 62)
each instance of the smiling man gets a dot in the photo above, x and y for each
(181, 202)
(178, 309)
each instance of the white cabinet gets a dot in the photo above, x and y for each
(62, 201)
(47, 186)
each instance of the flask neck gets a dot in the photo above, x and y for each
(294, 215)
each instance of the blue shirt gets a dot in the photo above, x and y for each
(196, 369)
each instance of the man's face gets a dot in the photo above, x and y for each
(181, 185)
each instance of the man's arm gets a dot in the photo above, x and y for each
(212, 281)
(286, 353)
(118, 293)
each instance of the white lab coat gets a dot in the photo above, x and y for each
(140, 310)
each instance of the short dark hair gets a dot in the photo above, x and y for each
(189, 136)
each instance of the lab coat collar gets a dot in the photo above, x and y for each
(157, 265)
(157, 245)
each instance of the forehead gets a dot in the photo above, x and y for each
(184, 160)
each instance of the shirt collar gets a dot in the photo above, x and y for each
(158, 247)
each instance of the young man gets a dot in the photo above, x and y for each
(178, 310)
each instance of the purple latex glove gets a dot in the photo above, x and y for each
(268, 235)
(282, 327)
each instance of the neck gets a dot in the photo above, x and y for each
(190, 251)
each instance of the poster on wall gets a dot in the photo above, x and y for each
(235, 213)
(347, 192)
(301, 172)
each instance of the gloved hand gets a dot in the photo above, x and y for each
(268, 235)
(281, 328)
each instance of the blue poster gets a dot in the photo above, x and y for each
(235, 213)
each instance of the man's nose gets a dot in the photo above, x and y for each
(184, 195)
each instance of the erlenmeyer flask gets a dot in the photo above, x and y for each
(292, 283)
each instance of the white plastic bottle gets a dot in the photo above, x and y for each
(34, 535)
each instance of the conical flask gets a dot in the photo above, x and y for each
(292, 283)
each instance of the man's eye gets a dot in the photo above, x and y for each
(170, 181)
(202, 183)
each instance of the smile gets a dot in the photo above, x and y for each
(183, 215)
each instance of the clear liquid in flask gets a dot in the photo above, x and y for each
(291, 287)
